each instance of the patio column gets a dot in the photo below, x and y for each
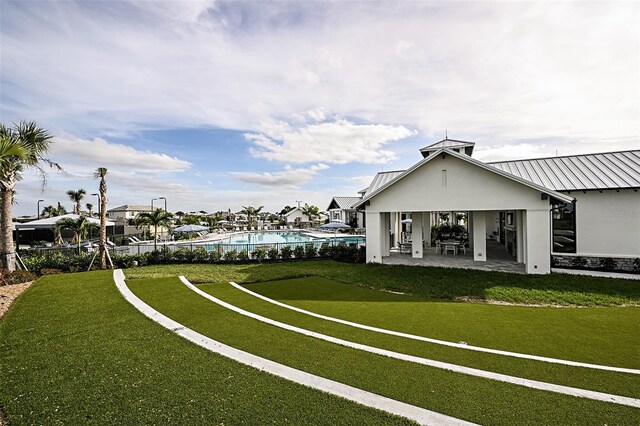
(386, 227)
(374, 238)
(416, 235)
(479, 236)
(538, 248)
(393, 218)
(426, 228)
(519, 236)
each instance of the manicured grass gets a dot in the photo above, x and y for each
(584, 378)
(73, 351)
(606, 336)
(479, 400)
(435, 283)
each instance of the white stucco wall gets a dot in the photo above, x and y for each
(608, 223)
(467, 187)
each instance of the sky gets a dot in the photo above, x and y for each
(217, 105)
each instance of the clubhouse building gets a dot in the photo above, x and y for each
(580, 210)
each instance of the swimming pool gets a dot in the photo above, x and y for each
(249, 241)
(268, 238)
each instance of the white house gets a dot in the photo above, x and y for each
(582, 205)
(295, 217)
(122, 214)
(342, 209)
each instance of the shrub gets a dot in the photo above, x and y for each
(214, 256)
(259, 254)
(231, 256)
(579, 262)
(298, 252)
(200, 255)
(324, 251)
(243, 256)
(285, 253)
(272, 254)
(310, 251)
(608, 264)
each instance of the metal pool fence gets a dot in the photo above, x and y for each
(249, 248)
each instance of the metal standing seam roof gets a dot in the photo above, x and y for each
(345, 203)
(381, 179)
(610, 170)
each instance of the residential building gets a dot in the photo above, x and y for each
(578, 209)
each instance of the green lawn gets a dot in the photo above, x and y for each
(602, 381)
(606, 336)
(73, 351)
(462, 396)
(435, 283)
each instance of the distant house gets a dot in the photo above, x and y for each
(295, 217)
(122, 214)
(342, 209)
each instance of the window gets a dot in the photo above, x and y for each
(564, 228)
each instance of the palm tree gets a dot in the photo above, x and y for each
(76, 197)
(158, 217)
(9, 147)
(250, 212)
(310, 211)
(34, 143)
(79, 226)
(101, 173)
(179, 215)
(60, 210)
(49, 211)
(89, 207)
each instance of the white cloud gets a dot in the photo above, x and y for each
(489, 70)
(288, 177)
(338, 142)
(101, 153)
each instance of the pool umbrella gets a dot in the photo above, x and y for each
(335, 225)
(405, 221)
(191, 228)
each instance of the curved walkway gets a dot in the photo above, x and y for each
(437, 341)
(417, 414)
(534, 384)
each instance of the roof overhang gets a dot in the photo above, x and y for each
(445, 151)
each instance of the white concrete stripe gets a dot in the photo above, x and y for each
(533, 384)
(440, 342)
(412, 412)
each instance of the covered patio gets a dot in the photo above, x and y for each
(497, 259)
(506, 227)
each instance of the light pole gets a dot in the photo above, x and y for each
(152, 200)
(99, 203)
(165, 202)
(38, 215)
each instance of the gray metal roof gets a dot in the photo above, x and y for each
(448, 143)
(344, 203)
(381, 179)
(611, 170)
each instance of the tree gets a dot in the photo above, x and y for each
(285, 210)
(158, 217)
(49, 211)
(34, 144)
(251, 211)
(310, 211)
(60, 210)
(76, 197)
(191, 219)
(89, 207)
(79, 226)
(101, 174)
(10, 147)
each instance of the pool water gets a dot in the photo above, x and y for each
(268, 238)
